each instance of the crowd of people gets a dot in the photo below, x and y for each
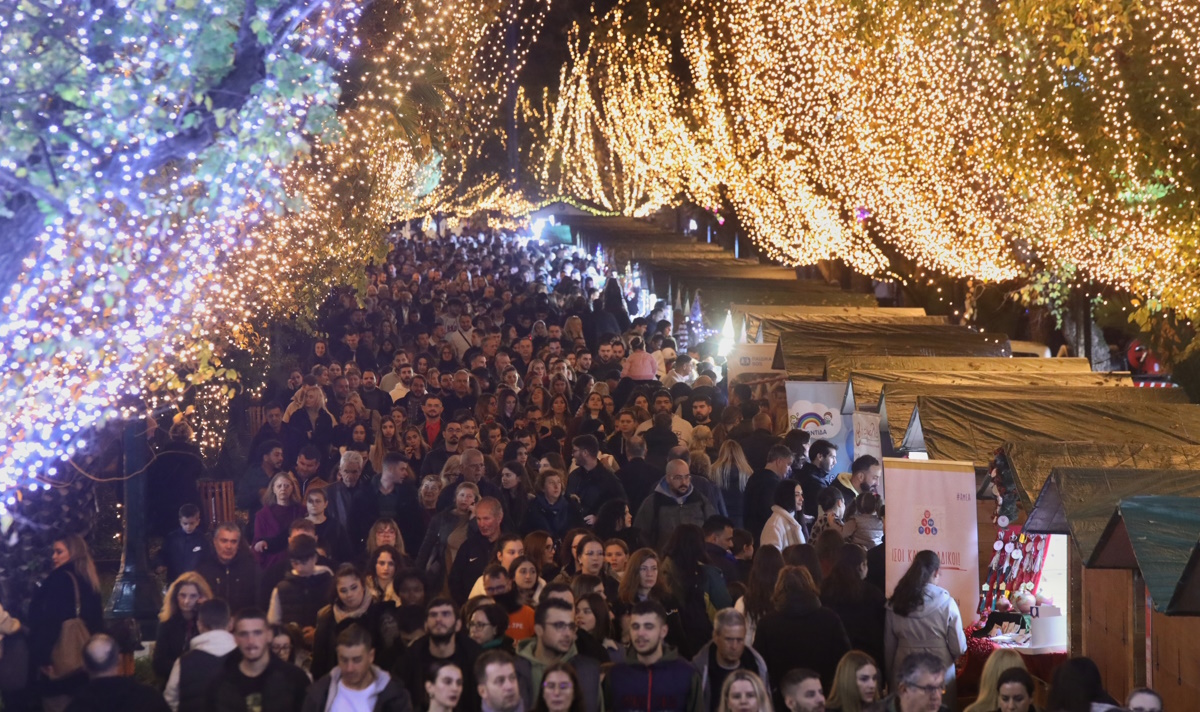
(491, 488)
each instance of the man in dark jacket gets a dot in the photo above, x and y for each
(252, 679)
(674, 502)
(652, 678)
(817, 473)
(473, 470)
(304, 590)
(229, 569)
(443, 640)
(183, 548)
(350, 499)
(759, 441)
(592, 483)
(718, 539)
(358, 679)
(638, 476)
(760, 489)
(108, 690)
(476, 551)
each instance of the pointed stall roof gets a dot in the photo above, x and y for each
(898, 401)
(972, 429)
(1079, 501)
(1032, 462)
(1157, 535)
(803, 354)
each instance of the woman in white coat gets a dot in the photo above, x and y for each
(782, 530)
(922, 617)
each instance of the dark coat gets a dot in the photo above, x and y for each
(407, 506)
(172, 640)
(301, 598)
(594, 487)
(54, 604)
(864, 620)
(236, 582)
(181, 552)
(473, 557)
(557, 518)
(324, 657)
(756, 445)
(432, 556)
(824, 642)
(639, 478)
(411, 670)
(812, 480)
(724, 562)
(758, 498)
(118, 694)
(352, 509)
(283, 691)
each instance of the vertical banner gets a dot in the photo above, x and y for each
(816, 407)
(866, 439)
(931, 505)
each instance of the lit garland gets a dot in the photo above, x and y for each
(975, 140)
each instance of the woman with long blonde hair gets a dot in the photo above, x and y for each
(71, 590)
(281, 507)
(856, 683)
(730, 473)
(989, 688)
(744, 691)
(177, 621)
(308, 418)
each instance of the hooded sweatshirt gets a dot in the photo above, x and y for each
(532, 671)
(668, 685)
(215, 643)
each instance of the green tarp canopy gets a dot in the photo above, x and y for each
(838, 367)
(1079, 501)
(899, 400)
(865, 388)
(749, 316)
(1156, 535)
(803, 354)
(1031, 462)
(972, 429)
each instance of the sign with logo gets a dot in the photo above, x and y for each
(931, 505)
(816, 407)
(752, 362)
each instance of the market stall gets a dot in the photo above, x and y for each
(803, 354)
(1151, 542)
(864, 387)
(838, 367)
(972, 428)
(898, 401)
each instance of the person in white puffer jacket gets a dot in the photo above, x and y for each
(922, 617)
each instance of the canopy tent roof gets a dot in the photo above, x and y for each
(839, 366)
(1033, 462)
(1156, 535)
(972, 429)
(864, 388)
(1079, 500)
(770, 328)
(898, 402)
(751, 316)
(803, 354)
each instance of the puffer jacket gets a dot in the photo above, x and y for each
(936, 628)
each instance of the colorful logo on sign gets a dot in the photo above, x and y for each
(931, 519)
(818, 419)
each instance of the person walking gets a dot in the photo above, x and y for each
(922, 617)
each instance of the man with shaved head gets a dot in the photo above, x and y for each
(108, 690)
(673, 502)
(475, 553)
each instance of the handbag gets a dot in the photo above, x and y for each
(67, 656)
